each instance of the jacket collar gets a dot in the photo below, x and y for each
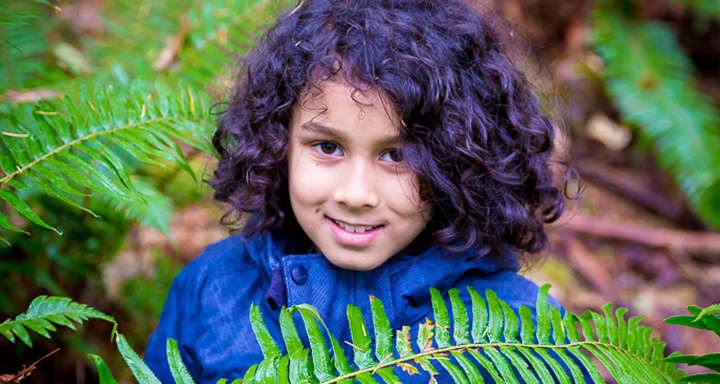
(409, 275)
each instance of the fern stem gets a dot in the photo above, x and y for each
(374, 369)
(57, 150)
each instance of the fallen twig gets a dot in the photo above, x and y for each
(692, 242)
(585, 263)
(172, 47)
(24, 373)
(628, 186)
(30, 95)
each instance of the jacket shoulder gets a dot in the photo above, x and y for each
(224, 256)
(194, 297)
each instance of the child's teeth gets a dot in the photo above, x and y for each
(353, 229)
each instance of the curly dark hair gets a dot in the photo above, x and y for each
(473, 130)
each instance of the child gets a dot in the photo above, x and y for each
(380, 147)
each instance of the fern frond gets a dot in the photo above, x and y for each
(543, 354)
(63, 147)
(45, 311)
(554, 351)
(650, 80)
(702, 318)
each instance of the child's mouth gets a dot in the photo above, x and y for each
(353, 235)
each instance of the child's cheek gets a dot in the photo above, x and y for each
(403, 196)
(308, 178)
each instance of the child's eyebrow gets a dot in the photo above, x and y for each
(338, 135)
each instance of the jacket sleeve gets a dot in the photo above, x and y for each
(176, 322)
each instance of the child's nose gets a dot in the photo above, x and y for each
(356, 186)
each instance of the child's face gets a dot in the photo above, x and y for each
(345, 168)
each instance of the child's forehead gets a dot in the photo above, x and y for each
(336, 113)
(339, 95)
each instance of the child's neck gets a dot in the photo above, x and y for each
(420, 245)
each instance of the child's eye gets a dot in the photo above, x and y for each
(327, 148)
(394, 156)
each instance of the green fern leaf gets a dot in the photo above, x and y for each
(137, 366)
(248, 378)
(284, 370)
(527, 328)
(45, 311)
(383, 332)
(320, 355)
(715, 308)
(543, 316)
(360, 338)
(460, 318)
(703, 318)
(442, 319)
(621, 327)
(267, 344)
(512, 325)
(496, 320)
(487, 364)
(502, 365)
(522, 366)
(712, 322)
(106, 377)
(402, 342)
(266, 371)
(289, 332)
(156, 211)
(471, 371)
(456, 373)
(301, 367)
(7, 224)
(24, 209)
(610, 324)
(702, 378)
(177, 367)
(426, 332)
(388, 376)
(633, 334)
(555, 366)
(339, 360)
(54, 191)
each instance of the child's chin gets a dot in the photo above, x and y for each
(353, 264)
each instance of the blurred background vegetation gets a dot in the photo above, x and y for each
(634, 85)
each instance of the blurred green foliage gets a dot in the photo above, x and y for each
(650, 80)
(87, 57)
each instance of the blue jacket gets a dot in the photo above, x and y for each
(207, 308)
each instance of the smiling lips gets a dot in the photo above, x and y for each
(354, 235)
